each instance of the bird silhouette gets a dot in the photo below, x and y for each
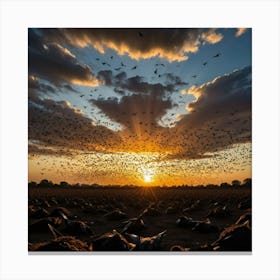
(217, 55)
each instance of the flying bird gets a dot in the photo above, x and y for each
(217, 55)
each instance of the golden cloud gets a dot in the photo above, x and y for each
(184, 91)
(91, 82)
(169, 44)
(212, 37)
(240, 31)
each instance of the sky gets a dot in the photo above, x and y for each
(139, 106)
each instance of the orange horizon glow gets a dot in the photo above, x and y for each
(137, 169)
(143, 107)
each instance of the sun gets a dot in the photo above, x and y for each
(148, 175)
(147, 178)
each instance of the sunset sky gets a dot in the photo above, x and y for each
(139, 106)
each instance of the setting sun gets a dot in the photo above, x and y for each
(147, 178)
(148, 175)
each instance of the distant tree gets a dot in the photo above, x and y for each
(45, 183)
(211, 186)
(247, 182)
(32, 184)
(224, 185)
(64, 184)
(236, 183)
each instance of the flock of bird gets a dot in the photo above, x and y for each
(114, 149)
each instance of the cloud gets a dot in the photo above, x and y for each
(240, 31)
(58, 124)
(139, 115)
(119, 91)
(135, 84)
(219, 117)
(234, 86)
(174, 80)
(170, 44)
(136, 110)
(38, 149)
(211, 36)
(37, 88)
(184, 91)
(68, 87)
(56, 64)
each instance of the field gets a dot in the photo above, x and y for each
(139, 219)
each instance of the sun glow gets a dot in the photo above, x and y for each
(148, 175)
(147, 178)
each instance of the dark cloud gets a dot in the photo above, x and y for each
(56, 64)
(171, 44)
(224, 94)
(136, 110)
(134, 84)
(37, 149)
(58, 124)
(139, 114)
(219, 118)
(68, 87)
(119, 91)
(174, 80)
(37, 88)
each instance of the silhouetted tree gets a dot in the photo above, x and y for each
(64, 184)
(247, 182)
(236, 183)
(45, 183)
(32, 184)
(224, 185)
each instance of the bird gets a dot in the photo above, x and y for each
(134, 67)
(217, 55)
(205, 63)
